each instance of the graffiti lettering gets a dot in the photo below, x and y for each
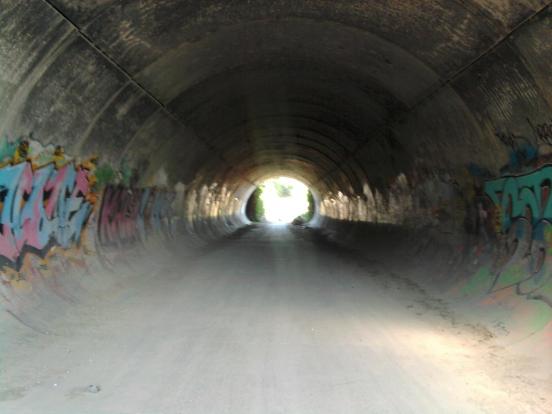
(41, 208)
(523, 196)
(544, 132)
(507, 139)
(129, 215)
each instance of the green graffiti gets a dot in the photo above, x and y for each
(125, 172)
(7, 148)
(517, 195)
(479, 283)
(510, 277)
(105, 175)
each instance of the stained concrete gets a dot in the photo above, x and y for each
(393, 112)
(338, 93)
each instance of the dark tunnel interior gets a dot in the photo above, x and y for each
(138, 276)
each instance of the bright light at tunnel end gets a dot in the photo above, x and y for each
(284, 199)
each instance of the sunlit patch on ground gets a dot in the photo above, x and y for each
(284, 199)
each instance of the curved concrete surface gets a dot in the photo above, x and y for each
(273, 320)
(132, 135)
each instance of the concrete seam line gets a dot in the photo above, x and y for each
(489, 50)
(440, 85)
(131, 79)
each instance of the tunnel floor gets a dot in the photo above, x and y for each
(273, 320)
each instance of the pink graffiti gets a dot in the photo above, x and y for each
(119, 214)
(41, 208)
(129, 215)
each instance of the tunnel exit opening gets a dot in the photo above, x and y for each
(281, 200)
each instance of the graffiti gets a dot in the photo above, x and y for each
(523, 196)
(7, 148)
(525, 152)
(41, 208)
(125, 176)
(105, 175)
(118, 215)
(477, 171)
(521, 155)
(28, 150)
(544, 132)
(510, 140)
(523, 220)
(130, 215)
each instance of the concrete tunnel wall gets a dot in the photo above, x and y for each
(430, 119)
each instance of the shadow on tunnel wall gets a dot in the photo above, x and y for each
(64, 234)
(433, 149)
(490, 249)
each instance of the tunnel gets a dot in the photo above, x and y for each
(135, 138)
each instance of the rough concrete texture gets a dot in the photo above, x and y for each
(132, 134)
(272, 320)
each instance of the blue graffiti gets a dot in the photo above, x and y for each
(523, 196)
(41, 207)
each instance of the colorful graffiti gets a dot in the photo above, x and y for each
(130, 215)
(523, 196)
(522, 153)
(517, 212)
(15, 151)
(41, 208)
(527, 152)
(542, 135)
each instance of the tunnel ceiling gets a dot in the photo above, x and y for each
(271, 86)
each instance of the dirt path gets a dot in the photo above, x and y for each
(269, 322)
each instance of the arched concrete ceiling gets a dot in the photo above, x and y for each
(304, 86)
